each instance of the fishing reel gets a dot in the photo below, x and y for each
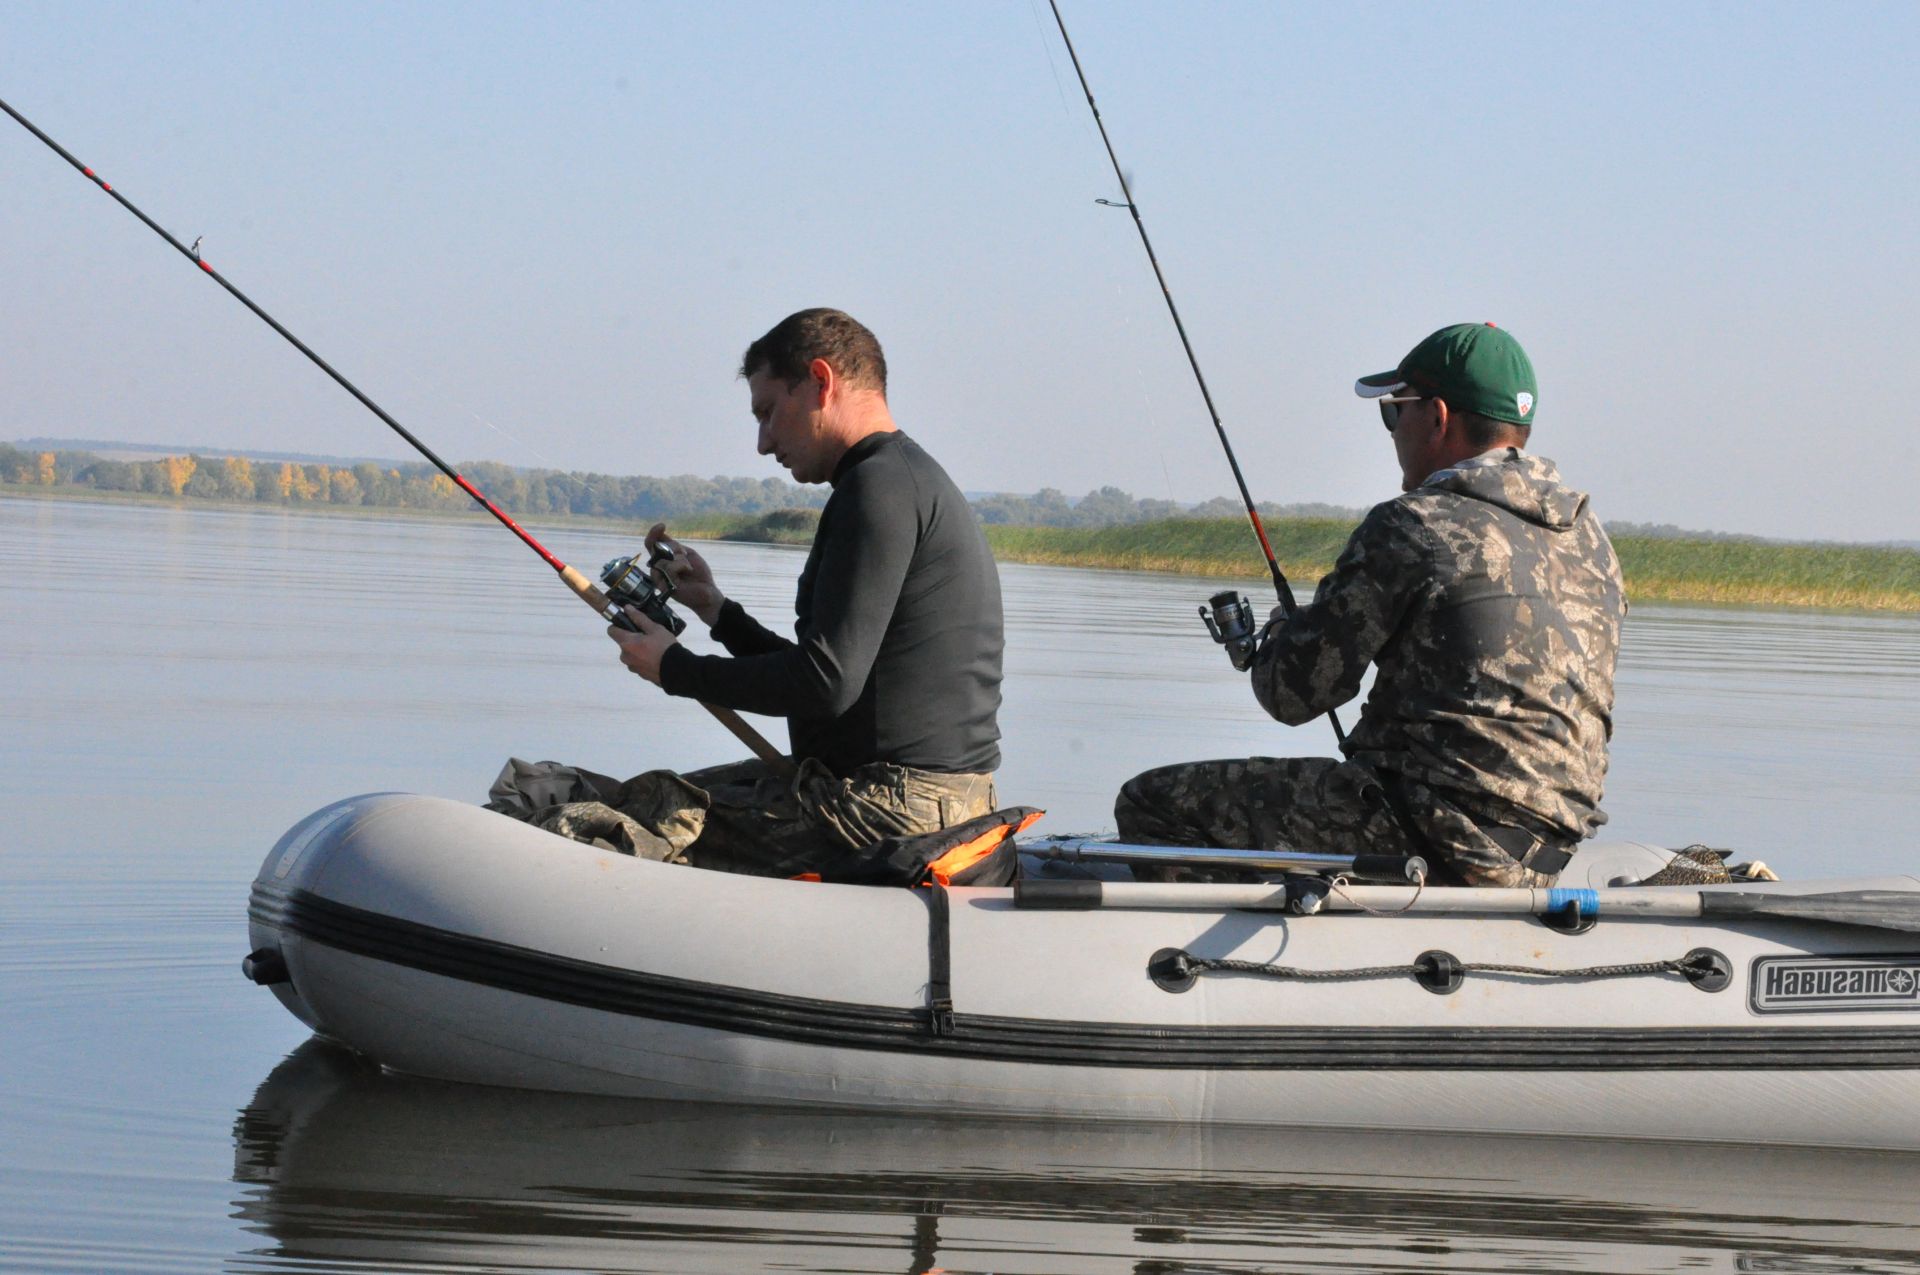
(630, 582)
(1232, 625)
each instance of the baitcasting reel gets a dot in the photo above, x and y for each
(1231, 623)
(629, 583)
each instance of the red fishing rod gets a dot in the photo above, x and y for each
(1280, 586)
(584, 588)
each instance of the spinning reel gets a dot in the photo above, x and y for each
(1232, 625)
(630, 582)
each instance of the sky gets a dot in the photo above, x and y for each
(543, 234)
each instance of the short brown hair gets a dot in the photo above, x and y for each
(1486, 433)
(834, 335)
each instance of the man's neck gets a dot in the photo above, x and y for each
(859, 419)
(864, 414)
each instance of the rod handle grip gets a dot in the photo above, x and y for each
(590, 593)
(587, 591)
(782, 764)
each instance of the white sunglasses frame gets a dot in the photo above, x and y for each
(1397, 399)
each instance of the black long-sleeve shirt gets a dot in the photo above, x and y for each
(898, 631)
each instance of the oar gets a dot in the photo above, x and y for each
(1869, 909)
(1376, 867)
(1873, 909)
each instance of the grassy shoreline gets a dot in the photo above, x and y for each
(1657, 569)
(1828, 577)
(84, 495)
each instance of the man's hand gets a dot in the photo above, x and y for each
(642, 651)
(692, 580)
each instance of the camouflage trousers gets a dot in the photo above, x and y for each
(740, 817)
(1317, 805)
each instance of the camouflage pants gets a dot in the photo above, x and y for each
(740, 817)
(1314, 805)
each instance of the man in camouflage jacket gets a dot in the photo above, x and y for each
(1489, 600)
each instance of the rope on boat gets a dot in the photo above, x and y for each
(1175, 970)
(1338, 885)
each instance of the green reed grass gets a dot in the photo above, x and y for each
(1655, 568)
(1773, 574)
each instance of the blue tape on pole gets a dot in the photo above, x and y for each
(1581, 902)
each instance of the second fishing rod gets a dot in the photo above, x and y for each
(629, 581)
(1230, 621)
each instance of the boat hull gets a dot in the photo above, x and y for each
(445, 941)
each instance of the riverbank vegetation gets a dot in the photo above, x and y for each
(1104, 529)
(414, 485)
(1656, 568)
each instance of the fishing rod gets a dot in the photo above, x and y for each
(627, 577)
(1280, 586)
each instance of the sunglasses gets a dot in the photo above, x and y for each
(1390, 408)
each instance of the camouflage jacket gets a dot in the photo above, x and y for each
(1491, 601)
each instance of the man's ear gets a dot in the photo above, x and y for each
(1441, 416)
(823, 378)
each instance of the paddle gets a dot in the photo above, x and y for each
(1872, 909)
(1377, 867)
(1878, 909)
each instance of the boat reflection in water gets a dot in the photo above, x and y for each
(342, 1163)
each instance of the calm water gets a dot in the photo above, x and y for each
(178, 687)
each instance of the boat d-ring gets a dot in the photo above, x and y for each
(1439, 972)
(1171, 970)
(1571, 911)
(1706, 969)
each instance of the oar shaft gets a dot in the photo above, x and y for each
(579, 583)
(1397, 899)
(1093, 850)
(1877, 904)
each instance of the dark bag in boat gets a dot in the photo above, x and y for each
(978, 852)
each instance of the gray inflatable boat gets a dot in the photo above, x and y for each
(443, 940)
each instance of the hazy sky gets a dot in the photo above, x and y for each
(542, 234)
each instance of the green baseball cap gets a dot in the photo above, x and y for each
(1476, 367)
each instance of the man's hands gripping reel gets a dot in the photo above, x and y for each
(636, 591)
(641, 586)
(1230, 621)
(645, 585)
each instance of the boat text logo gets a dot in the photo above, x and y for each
(1833, 984)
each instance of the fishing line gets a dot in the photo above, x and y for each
(1280, 586)
(1046, 47)
(574, 579)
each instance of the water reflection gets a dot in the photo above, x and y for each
(343, 1165)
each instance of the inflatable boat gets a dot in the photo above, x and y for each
(447, 941)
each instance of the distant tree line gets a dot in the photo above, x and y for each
(1111, 507)
(418, 485)
(44, 444)
(409, 486)
(546, 491)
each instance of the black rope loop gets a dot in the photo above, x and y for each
(1175, 970)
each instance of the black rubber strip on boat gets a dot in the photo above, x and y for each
(939, 961)
(842, 1024)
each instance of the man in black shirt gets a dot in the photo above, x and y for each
(891, 683)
